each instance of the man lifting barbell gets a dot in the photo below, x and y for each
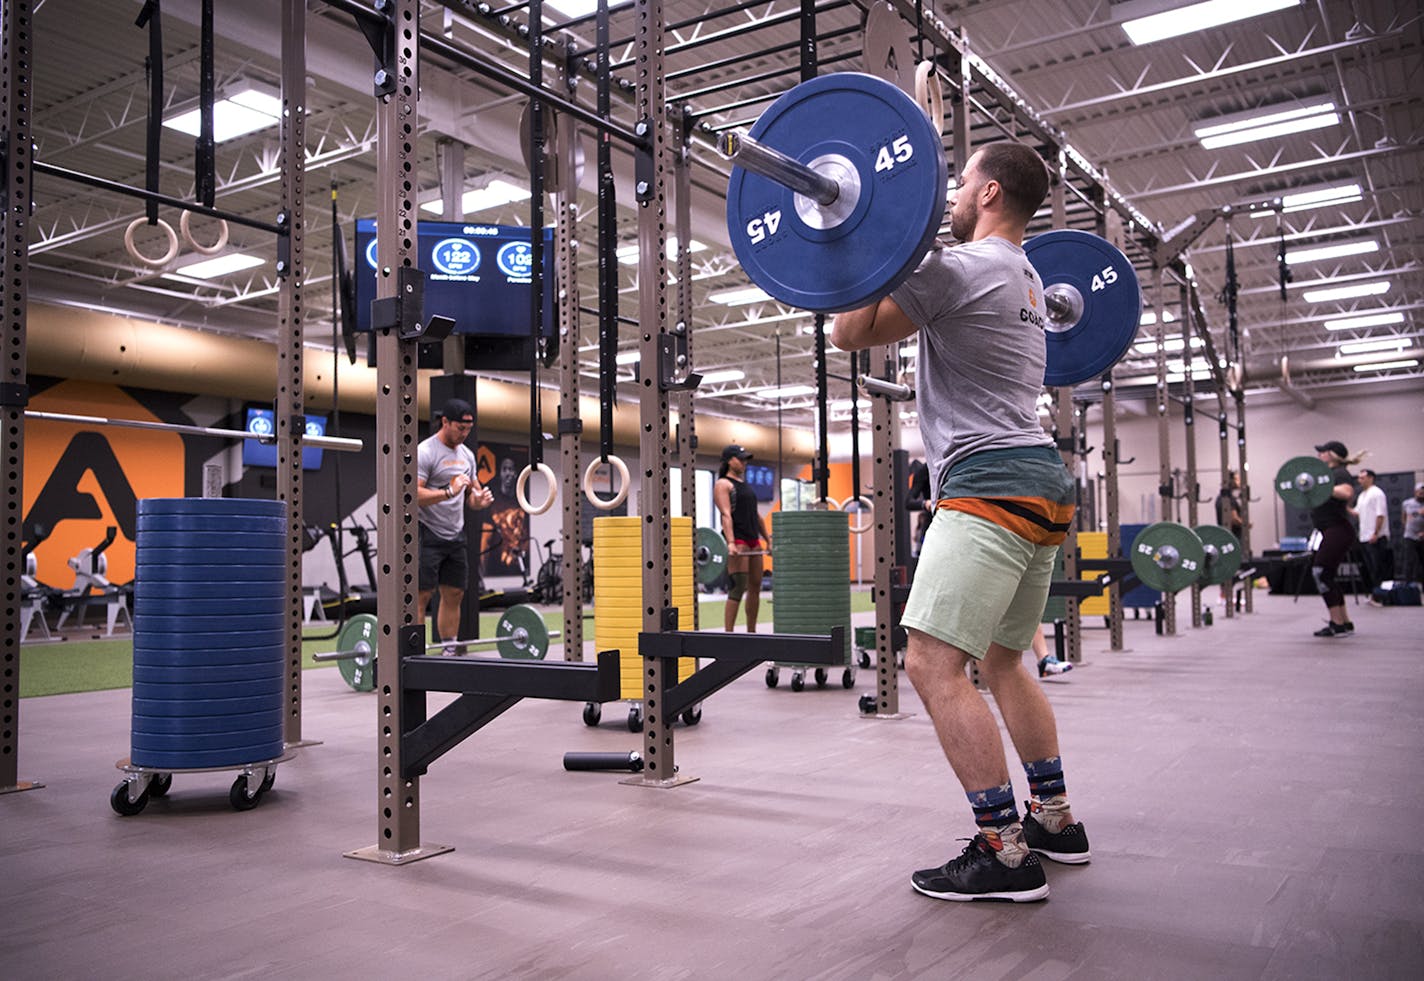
(745, 533)
(1005, 501)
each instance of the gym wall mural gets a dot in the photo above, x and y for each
(504, 527)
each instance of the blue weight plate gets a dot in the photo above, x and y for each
(185, 590)
(1105, 285)
(147, 558)
(236, 575)
(211, 525)
(209, 656)
(176, 725)
(203, 742)
(211, 541)
(145, 704)
(235, 606)
(876, 132)
(234, 636)
(235, 757)
(179, 690)
(271, 672)
(212, 506)
(148, 625)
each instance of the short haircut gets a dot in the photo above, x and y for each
(1020, 171)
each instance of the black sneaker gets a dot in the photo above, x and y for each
(1348, 627)
(1069, 846)
(1334, 630)
(977, 874)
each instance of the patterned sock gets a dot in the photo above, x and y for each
(998, 819)
(1050, 800)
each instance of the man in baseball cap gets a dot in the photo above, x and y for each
(1333, 446)
(1337, 536)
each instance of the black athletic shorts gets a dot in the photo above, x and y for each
(443, 562)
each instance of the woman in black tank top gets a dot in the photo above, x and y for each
(744, 532)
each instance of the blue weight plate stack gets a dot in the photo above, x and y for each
(209, 632)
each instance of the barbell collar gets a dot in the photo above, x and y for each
(749, 154)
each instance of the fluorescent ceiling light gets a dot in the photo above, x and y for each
(785, 392)
(628, 357)
(1345, 292)
(1383, 365)
(1319, 197)
(910, 350)
(1336, 251)
(732, 298)
(494, 194)
(1193, 17)
(222, 265)
(628, 254)
(1388, 344)
(1150, 317)
(1231, 130)
(724, 375)
(1169, 344)
(572, 8)
(242, 111)
(1369, 320)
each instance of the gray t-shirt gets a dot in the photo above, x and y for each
(436, 465)
(979, 308)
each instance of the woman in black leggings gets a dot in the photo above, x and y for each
(1337, 537)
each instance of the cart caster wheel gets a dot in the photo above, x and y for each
(798, 680)
(822, 676)
(160, 785)
(635, 719)
(119, 800)
(772, 677)
(267, 782)
(238, 796)
(592, 712)
(867, 704)
(847, 678)
(864, 661)
(692, 716)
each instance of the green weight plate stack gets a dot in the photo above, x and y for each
(811, 575)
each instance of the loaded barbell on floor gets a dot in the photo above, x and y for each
(1222, 554)
(1304, 482)
(519, 635)
(838, 191)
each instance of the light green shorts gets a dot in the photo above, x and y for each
(977, 582)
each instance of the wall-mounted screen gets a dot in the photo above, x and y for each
(261, 421)
(762, 480)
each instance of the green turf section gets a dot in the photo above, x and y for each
(96, 665)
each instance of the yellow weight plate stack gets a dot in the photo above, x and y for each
(618, 593)
(1093, 545)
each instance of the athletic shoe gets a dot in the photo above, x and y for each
(977, 874)
(1051, 665)
(1069, 846)
(1334, 630)
(1348, 627)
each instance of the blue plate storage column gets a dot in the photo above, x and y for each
(209, 632)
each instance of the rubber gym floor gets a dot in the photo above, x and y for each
(1251, 794)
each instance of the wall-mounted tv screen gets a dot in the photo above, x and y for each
(762, 481)
(477, 275)
(255, 454)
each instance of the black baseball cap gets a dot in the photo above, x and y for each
(458, 410)
(1334, 446)
(1367, 472)
(734, 450)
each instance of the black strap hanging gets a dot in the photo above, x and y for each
(1228, 296)
(152, 18)
(1281, 264)
(855, 427)
(205, 158)
(823, 452)
(536, 229)
(607, 251)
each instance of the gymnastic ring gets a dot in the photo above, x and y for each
(524, 482)
(133, 249)
(215, 248)
(929, 94)
(869, 508)
(592, 495)
(825, 504)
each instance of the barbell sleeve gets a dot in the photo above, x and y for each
(777, 166)
(893, 391)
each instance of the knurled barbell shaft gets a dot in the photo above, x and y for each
(777, 166)
(348, 655)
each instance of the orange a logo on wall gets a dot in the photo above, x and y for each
(80, 480)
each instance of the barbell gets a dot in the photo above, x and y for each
(1305, 482)
(838, 191)
(1167, 557)
(519, 635)
(1222, 554)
